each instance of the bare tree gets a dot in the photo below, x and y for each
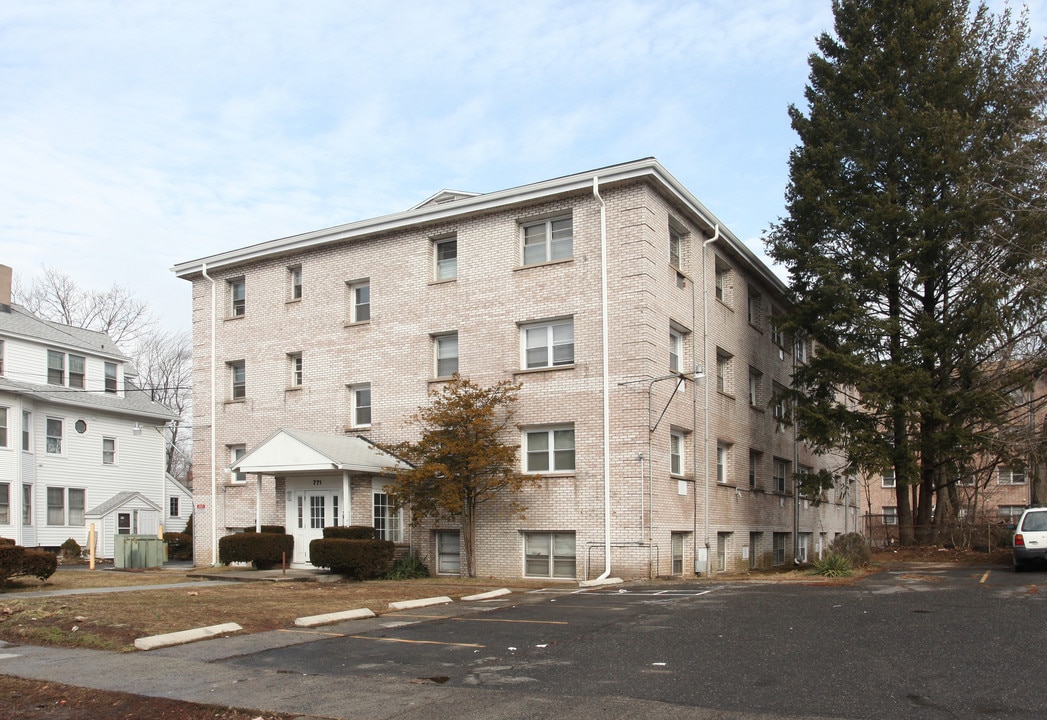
(164, 363)
(117, 312)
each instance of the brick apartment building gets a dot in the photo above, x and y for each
(641, 329)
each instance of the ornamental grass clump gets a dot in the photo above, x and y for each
(833, 566)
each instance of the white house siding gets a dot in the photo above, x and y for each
(176, 523)
(491, 297)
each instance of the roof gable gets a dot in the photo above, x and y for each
(295, 451)
(119, 500)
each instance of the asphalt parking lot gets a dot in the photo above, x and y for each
(929, 643)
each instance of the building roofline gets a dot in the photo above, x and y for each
(645, 169)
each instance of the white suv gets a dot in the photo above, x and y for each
(1030, 538)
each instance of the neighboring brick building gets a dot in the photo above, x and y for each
(340, 333)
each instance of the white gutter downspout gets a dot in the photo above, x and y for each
(606, 385)
(705, 363)
(214, 413)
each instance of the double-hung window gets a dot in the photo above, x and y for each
(549, 344)
(724, 371)
(76, 371)
(359, 301)
(55, 506)
(360, 404)
(445, 254)
(3, 427)
(110, 378)
(754, 469)
(674, 248)
(548, 240)
(238, 379)
(294, 280)
(780, 474)
(237, 297)
(54, 436)
(5, 503)
(549, 449)
(27, 430)
(549, 555)
(174, 509)
(1011, 475)
(755, 308)
(236, 452)
(675, 351)
(77, 503)
(108, 451)
(446, 349)
(295, 362)
(676, 453)
(755, 380)
(887, 479)
(722, 281)
(723, 462)
(388, 519)
(55, 367)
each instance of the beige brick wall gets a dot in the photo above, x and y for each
(486, 304)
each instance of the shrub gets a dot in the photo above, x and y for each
(179, 546)
(40, 564)
(833, 565)
(263, 550)
(6, 541)
(71, 549)
(350, 532)
(408, 567)
(10, 561)
(853, 547)
(356, 559)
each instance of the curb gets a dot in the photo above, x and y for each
(423, 602)
(312, 620)
(599, 583)
(185, 636)
(488, 595)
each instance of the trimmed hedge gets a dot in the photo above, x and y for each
(350, 532)
(179, 546)
(263, 550)
(270, 529)
(356, 559)
(11, 557)
(40, 564)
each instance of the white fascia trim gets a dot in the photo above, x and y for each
(579, 182)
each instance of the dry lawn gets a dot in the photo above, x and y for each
(112, 621)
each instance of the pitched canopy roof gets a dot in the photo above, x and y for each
(294, 451)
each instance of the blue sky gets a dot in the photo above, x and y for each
(134, 135)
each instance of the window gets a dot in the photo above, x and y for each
(27, 504)
(754, 308)
(723, 371)
(676, 453)
(54, 436)
(446, 348)
(549, 344)
(549, 450)
(723, 459)
(676, 542)
(295, 361)
(294, 280)
(55, 368)
(108, 451)
(1010, 475)
(387, 519)
(55, 506)
(780, 474)
(27, 425)
(549, 555)
(123, 523)
(547, 241)
(5, 503)
(1, 356)
(779, 542)
(780, 405)
(890, 515)
(77, 503)
(804, 472)
(755, 380)
(801, 349)
(173, 508)
(238, 378)
(445, 252)
(3, 427)
(778, 339)
(1009, 513)
(360, 301)
(110, 378)
(803, 546)
(236, 452)
(237, 297)
(76, 371)
(754, 469)
(360, 402)
(755, 547)
(723, 281)
(674, 248)
(887, 479)
(448, 552)
(675, 351)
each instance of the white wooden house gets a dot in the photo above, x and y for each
(75, 433)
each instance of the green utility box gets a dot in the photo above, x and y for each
(139, 551)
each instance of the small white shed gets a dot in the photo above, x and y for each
(126, 513)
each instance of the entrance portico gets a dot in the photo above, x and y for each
(320, 473)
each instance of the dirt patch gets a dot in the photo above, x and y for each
(112, 621)
(33, 700)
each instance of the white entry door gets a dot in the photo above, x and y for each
(310, 512)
